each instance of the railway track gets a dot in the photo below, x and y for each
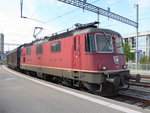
(138, 94)
(145, 82)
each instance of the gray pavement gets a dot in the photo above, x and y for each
(21, 95)
(142, 72)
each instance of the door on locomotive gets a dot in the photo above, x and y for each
(76, 53)
(39, 52)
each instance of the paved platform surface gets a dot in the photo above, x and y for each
(142, 72)
(20, 93)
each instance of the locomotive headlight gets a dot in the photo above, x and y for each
(104, 68)
(124, 66)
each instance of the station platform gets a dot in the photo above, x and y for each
(145, 73)
(20, 93)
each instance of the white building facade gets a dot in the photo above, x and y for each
(143, 43)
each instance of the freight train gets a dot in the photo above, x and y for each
(86, 56)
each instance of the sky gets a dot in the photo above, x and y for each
(55, 16)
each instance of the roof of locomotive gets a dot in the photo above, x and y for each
(95, 30)
(71, 33)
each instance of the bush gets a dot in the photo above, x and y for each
(127, 50)
(3, 62)
(144, 60)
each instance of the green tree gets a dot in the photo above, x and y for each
(127, 50)
(132, 55)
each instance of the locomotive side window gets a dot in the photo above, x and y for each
(119, 44)
(39, 49)
(104, 43)
(56, 46)
(28, 51)
(89, 43)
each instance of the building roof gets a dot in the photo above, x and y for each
(134, 34)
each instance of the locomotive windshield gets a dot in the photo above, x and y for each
(104, 43)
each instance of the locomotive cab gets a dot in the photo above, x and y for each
(104, 50)
(102, 46)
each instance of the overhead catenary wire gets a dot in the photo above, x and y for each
(39, 6)
(53, 19)
(60, 16)
(133, 15)
(66, 13)
(141, 19)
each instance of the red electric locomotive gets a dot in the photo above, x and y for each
(87, 56)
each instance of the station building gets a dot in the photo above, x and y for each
(143, 43)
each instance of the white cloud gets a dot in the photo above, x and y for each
(144, 4)
(20, 31)
(52, 2)
(17, 30)
(112, 2)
